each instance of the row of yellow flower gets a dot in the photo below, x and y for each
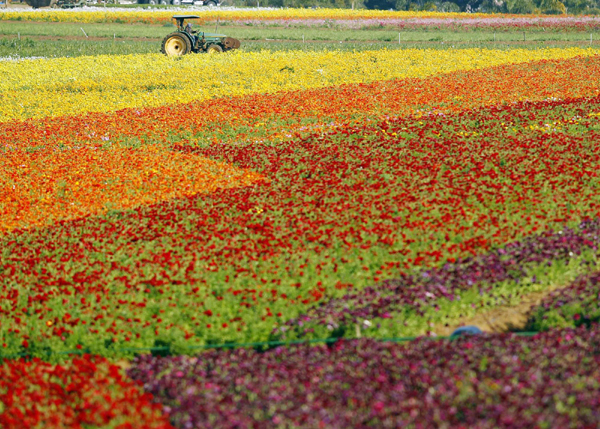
(154, 16)
(67, 86)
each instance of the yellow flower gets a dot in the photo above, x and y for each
(69, 86)
(158, 17)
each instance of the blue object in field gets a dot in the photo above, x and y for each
(466, 330)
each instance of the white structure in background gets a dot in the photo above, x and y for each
(209, 3)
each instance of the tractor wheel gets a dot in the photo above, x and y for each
(163, 2)
(175, 45)
(214, 49)
(211, 4)
(176, 2)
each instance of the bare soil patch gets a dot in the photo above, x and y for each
(505, 318)
(93, 38)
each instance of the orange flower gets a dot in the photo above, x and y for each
(48, 185)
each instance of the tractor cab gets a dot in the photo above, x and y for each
(180, 20)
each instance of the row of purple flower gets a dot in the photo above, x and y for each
(500, 380)
(569, 23)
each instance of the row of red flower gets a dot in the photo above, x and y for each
(85, 392)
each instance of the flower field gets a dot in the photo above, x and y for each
(234, 264)
(343, 18)
(153, 205)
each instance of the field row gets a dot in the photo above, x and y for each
(69, 86)
(28, 39)
(162, 16)
(85, 392)
(117, 32)
(338, 18)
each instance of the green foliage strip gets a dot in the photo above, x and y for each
(264, 345)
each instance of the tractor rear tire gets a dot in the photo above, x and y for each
(214, 49)
(176, 45)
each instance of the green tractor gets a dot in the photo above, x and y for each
(185, 40)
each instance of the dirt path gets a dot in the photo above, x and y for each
(505, 318)
(106, 39)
